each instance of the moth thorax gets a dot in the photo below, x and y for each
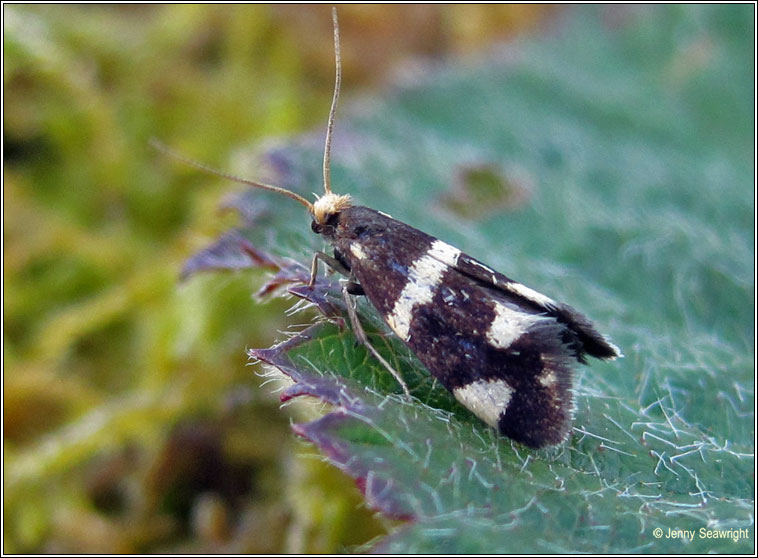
(328, 205)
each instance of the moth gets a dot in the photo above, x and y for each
(504, 350)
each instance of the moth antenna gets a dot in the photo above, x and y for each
(166, 150)
(335, 98)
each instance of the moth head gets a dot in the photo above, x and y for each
(327, 208)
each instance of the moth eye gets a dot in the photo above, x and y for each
(315, 227)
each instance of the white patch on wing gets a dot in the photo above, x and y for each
(509, 324)
(487, 399)
(481, 265)
(424, 277)
(614, 348)
(548, 378)
(357, 250)
(531, 294)
(444, 252)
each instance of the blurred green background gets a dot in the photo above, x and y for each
(131, 423)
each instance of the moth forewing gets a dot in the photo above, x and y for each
(505, 356)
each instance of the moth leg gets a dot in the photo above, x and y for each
(363, 338)
(333, 263)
